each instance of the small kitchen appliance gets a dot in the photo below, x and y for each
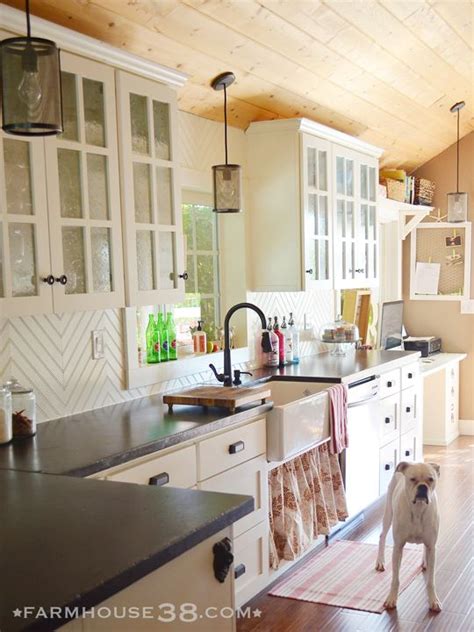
(426, 344)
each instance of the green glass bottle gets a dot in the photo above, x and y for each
(152, 341)
(171, 330)
(164, 338)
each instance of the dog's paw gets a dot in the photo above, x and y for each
(379, 566)
(435, 605)
(391, 602)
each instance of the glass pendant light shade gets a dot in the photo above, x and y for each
(458, 201)
(227, 181)
(226, 178)
(457, 207)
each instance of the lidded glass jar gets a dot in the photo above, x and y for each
(23, 409)
(340, 333)
(5, 415)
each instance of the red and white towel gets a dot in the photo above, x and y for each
(338, 418)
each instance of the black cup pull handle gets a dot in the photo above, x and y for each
(387, 420)
(49, 279)
(239, 571)
(159, 479)
(238, 446)
(62, 279)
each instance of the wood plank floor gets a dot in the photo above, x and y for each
(455, 569)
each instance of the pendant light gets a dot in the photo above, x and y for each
(457, 202)
(31, 84)
(227, 177)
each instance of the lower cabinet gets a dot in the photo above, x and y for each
(251, 564)
(410, 447)
(181, 595)
(388, 459)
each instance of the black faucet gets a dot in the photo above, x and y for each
(226, 377)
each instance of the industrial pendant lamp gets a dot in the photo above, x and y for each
(457, 202)
(31, 85)
(226, 178)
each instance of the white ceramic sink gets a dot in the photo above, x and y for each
(298, 420)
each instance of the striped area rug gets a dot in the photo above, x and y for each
(344, 575)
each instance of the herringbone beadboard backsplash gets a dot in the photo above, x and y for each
(53, 354)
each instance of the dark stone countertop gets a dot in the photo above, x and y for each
(66, 541)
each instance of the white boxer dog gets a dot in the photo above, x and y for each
(412, 506)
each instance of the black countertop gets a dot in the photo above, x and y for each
(71, 542)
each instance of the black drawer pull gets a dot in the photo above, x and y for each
(238, 446)
(410, 375)
(388, 466)
(407, 452)
(239, 570)
(387, 420)
(407, 409)
(159, 479)
(389, 384)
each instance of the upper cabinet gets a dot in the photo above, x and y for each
(312, 202)
(153, 237)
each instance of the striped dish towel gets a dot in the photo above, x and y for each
(338, 418)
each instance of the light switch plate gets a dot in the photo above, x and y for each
(467, 306)
(97, 344)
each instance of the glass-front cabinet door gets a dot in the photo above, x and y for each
(152, 207)
(83, 190)
(24, 240)
(355, 238)
(316, 183)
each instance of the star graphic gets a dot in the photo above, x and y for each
(18, 612)
(257, 613)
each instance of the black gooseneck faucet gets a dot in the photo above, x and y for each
(226, 376)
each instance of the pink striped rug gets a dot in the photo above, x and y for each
(344, 575)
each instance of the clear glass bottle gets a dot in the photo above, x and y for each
(6, 432)
(296, 339)
(23, 409)
(272, 358)
(288, 337)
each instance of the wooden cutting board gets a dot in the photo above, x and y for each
(230, 397)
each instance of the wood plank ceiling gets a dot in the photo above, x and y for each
(386, 71)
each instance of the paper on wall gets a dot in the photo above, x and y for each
(427, 277)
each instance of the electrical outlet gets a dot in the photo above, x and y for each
(97, 344)
(307, 322)
(467, 306)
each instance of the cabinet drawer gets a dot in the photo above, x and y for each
(390, 383)
(389, 457)
(177, 469)
(250, 479)
(231, 448)
(250, 562)
(410, 375)
(389, 418)
(409, 447)
(408, 413)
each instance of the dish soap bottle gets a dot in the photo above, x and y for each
(200, 339)
(272, 358)
(288, 338)
(296, 339)
(281, 341)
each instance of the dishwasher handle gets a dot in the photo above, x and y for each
(364, 401)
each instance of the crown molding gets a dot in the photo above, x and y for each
(306, 126)
(14, 20)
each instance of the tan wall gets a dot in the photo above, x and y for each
(444, 318)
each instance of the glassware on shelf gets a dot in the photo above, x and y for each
(341, 334)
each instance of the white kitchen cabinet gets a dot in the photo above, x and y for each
(153, 237)
(84, 199)
(251, 563)
(312, 199)
(389, 456)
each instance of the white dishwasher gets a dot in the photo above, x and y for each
(360, 461)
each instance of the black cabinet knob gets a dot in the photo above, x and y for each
(49, 279)
(184, 276)
(387, 420)
(309, 271)
(62, 279)
(239, 570)
(159, 479)
(407, 409)
(387, 466)
(238, 446)
(407, 452)
(410, 375)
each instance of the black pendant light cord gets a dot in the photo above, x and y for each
(28, 24)
(225, 122)
(457, 160)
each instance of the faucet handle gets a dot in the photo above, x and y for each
(237, 374)
(219, 376)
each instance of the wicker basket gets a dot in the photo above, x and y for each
(395, 189)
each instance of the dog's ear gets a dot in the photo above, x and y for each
(436, 468)
(402, 466)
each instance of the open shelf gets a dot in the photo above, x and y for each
(408, 215)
